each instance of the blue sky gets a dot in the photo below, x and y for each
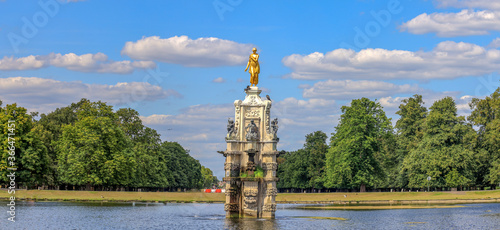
(180, 63)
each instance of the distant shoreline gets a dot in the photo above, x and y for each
(368, 200)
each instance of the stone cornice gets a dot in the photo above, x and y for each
(270, 153)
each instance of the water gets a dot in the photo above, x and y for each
(87, 215)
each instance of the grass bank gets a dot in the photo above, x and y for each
(370, 198)
(380, 207)
(60, 195)
(390, 197)
(387, 200)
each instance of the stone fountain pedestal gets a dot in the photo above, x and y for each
(250, 167)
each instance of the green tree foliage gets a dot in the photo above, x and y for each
(186, 171)
(208, 178)
(31, 157)
(151, 165)
(131, 123)
(49, 131)
(316, 149)
(293, 171)
(89, 144)
(445, 152)
(486, 116)
(409, 133)
(304, 168)
(389, 161)
(94, 150)
(152, 169)
(351, 160)
(409, 126)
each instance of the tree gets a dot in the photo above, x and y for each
(303, 169)
(486, 115)
(390, 161)
(295, 174)
(298, 169)
(208, 178)
(88, 144)
(49, 131)
(186, 171)
(30, 158)
(316, 148)
(130, 122)
(409, 126)
(94, 151)
(283, 171)
(350, 161)
(151, 166)
(409, 133)
(445, 152)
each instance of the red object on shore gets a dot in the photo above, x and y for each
(218, 190)
(208, 190)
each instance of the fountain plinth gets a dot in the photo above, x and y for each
(250, 167)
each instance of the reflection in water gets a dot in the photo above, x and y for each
(249, 224)
(97, 215)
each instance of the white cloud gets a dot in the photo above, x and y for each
(476, 4)
(463, 23)
(45, 95)
(297, 118)
(302, 108)
(197, 116)
(495, 43)
(463, 108)
(219, 80)
(202, 52)
(391, 103)
(447, 60)
(347, 89)
(198, 123)
(98, 62)
(23, 63)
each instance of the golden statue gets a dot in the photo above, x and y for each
(253, 63)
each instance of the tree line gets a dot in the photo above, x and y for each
(88, 145)
(427, 148)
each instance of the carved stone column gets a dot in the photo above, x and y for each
(250, 167)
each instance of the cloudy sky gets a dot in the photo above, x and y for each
(181, 63)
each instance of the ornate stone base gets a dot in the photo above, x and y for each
(251, 147)
(268, 215)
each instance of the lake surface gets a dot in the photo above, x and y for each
(88, 215)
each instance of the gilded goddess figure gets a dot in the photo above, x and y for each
(253, 64)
